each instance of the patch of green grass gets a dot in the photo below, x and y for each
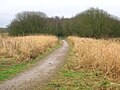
(82, 80)
(9, 68)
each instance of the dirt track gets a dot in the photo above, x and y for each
(35, 78)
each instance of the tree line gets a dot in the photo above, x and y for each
(3, 30)
(93, 22)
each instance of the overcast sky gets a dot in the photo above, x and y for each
(66, 8)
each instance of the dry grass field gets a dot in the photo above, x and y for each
(103, 55)
(25, 48)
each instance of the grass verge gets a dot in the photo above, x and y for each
(9, 68)
(69, 79)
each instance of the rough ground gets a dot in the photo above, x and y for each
(35, 78)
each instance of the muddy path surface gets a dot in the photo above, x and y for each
(38, 76)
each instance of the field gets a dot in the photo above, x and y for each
(92, 64)
(17, 52)
(25, 48)
(97, 54)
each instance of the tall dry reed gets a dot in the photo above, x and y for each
(27, 47)
(103, 55)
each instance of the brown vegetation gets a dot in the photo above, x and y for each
(25, 48)
(103, 55)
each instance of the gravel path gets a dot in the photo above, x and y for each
(36, 78)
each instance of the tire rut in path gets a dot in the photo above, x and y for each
(36, 77)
